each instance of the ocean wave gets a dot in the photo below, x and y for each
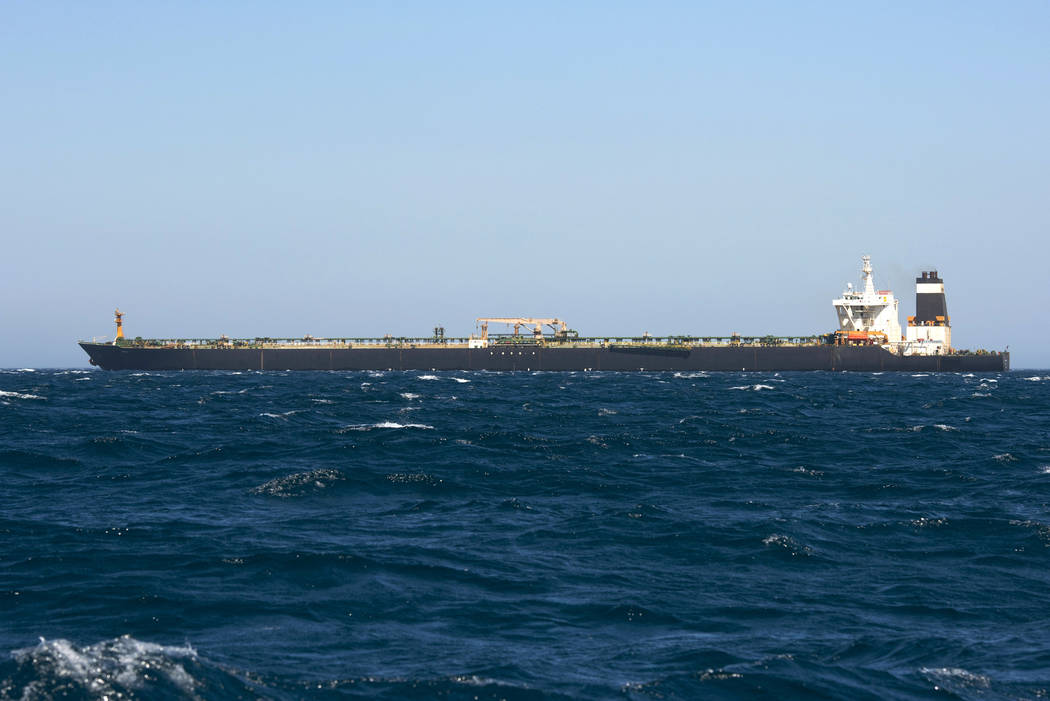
(955, 680)
(754, 388)
(281, 415)
(788, 544)
(119, 668)
(384, 425)
(428, 377)
(19, 395)
(412, 478)
(254, 538)
(409, 396)
(299, 483)
(917, 428)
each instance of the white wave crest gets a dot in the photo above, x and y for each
(787, 543)
(461, 380)
(427, 377)
(952, 678)
(754, 388)
(109, 669)
(409, 396)
(384, 424)
(299, 483)
(20, 395)
(283, 415)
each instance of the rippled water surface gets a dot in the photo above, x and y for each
(520, 536)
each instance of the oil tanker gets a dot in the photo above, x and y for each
(868, 338)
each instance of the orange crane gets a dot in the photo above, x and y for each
(557, 324)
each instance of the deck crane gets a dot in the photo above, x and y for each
(560, 329)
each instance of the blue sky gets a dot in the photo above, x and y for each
(361, 169)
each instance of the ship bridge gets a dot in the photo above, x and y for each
(868, 313)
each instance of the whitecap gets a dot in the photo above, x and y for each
(754, 388)
(952, 677)
(20, 395)
(689, 375)
(1004, 457)
(427, 377)
(384, 424)
(460, 380)
(409, 395)
(108, 669)
(410, 477)
(924, 522)
(606, 412)
(298, 483)
(787, 543)
(945, 427)
(282, 415)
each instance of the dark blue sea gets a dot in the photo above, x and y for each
(524, 536)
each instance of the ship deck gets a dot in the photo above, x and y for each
(451, 342)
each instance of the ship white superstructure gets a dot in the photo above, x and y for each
(868, 314)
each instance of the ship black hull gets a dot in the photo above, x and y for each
(765, 358)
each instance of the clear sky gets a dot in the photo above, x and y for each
(352, 168)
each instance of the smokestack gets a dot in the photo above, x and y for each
(929, 299)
